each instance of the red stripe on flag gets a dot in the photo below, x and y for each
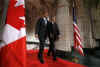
(77, 34)
(77, 40)
(76, 27)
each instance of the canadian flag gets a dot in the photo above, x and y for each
(13, 47)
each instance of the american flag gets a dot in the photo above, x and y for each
(77, 38)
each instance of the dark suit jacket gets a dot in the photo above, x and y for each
(53, 31)
(41, 28)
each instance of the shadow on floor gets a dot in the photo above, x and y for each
(91, 58)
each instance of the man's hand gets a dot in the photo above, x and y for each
(36, 35)
(59, 37)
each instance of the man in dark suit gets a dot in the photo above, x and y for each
(53, 36)
(41, 32)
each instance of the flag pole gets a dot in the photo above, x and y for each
(75, 59)
(77, 37)
(74, 10)
(76, 32)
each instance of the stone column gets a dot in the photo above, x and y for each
(64, 21)
(96, 18)
(84, 24)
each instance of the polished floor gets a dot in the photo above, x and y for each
(91, 58)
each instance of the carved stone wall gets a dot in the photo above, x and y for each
(64, 21)
(34, 9)
(96, 21)
(85, 26)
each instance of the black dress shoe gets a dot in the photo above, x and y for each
(41, 59)
(54, 59)
(48, 54)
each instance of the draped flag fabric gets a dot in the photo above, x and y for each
(13, 46)
(77, 38)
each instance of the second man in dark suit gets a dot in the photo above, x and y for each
(53, 36)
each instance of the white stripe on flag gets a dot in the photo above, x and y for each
(77, 32)
(79, 40)
(76, 26)
(80, 49)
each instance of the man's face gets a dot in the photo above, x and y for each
(54, 19)
(46, 14)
